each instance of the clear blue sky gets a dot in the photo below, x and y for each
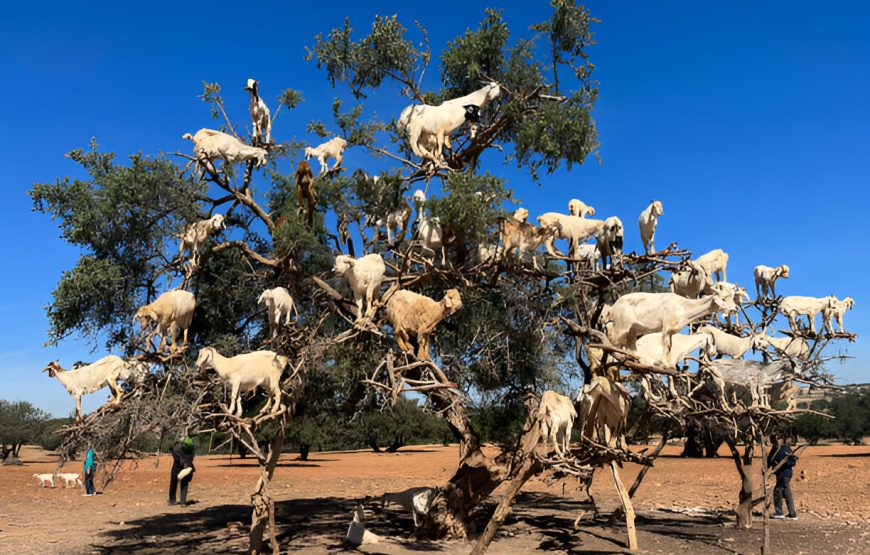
(749, 120)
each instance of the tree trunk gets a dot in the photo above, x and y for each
(744, 468)
(765, 510)
(528, 467)
(398, 443)
(477, 475)
(263, 516)
(304, 448)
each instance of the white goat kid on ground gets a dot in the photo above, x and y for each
(247, 372)
(70, 479)
(195, 236)
(556, 414)
(715, 263)
(429, 127)
(209, 144)
(90, 378)
(647, 222)
(794, 306)
(170, 313)
(333, 148)
(45, 479)
(579, 208)
(835, 310)
(415, 315)
(638, 314)
(279, 305)
(260, 117)
(364, 275)
(765, 279)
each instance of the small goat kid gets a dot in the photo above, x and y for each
(333, 148)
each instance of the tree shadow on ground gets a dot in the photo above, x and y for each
(302, 524)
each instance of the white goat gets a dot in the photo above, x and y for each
(90, 378)
(573, 228)
(588, 254)
(195, 236)
(70, 479)
(794, 347)
(365, 276)
(556, 414)
(279, 304)
(209, 144)
(647, 222)
(715, 263)
(638, 314)
(260, 116)
(520, 214)
(45, 479)
(690, 282)
(835, 310)
(429, 127)
(794, 306)
(579, 208)
(414, 500)
(398, 220)
(603, 409)
(431, 236)
(247, 372)
(765, 278)
(649, 347)
(333, 148)
(610, 240)
(171, 312)
(732, 291)
(419, 198)
(732, 345)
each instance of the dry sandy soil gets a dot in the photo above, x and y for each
(316, 497)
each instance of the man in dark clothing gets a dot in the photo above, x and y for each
(182, 458)
(780, 453)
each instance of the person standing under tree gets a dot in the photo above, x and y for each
(182, 470)
(89, 470)
(780, 453)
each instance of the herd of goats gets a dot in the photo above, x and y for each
(647, 326)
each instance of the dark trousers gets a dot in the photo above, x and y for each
(174, 483)
(89, 483)
(783, 489)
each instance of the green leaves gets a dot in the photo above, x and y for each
(475, 58)
(125, 219)
(364, 64)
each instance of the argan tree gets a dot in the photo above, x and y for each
(521, 330)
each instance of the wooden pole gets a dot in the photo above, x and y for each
(626, 506)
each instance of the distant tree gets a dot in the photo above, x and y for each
(20, 423)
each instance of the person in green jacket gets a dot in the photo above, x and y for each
(90, 469)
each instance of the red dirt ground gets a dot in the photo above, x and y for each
(316, 497)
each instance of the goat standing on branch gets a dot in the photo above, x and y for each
(260, 116)
(428, 128)
(247, 372)
(333, 148)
